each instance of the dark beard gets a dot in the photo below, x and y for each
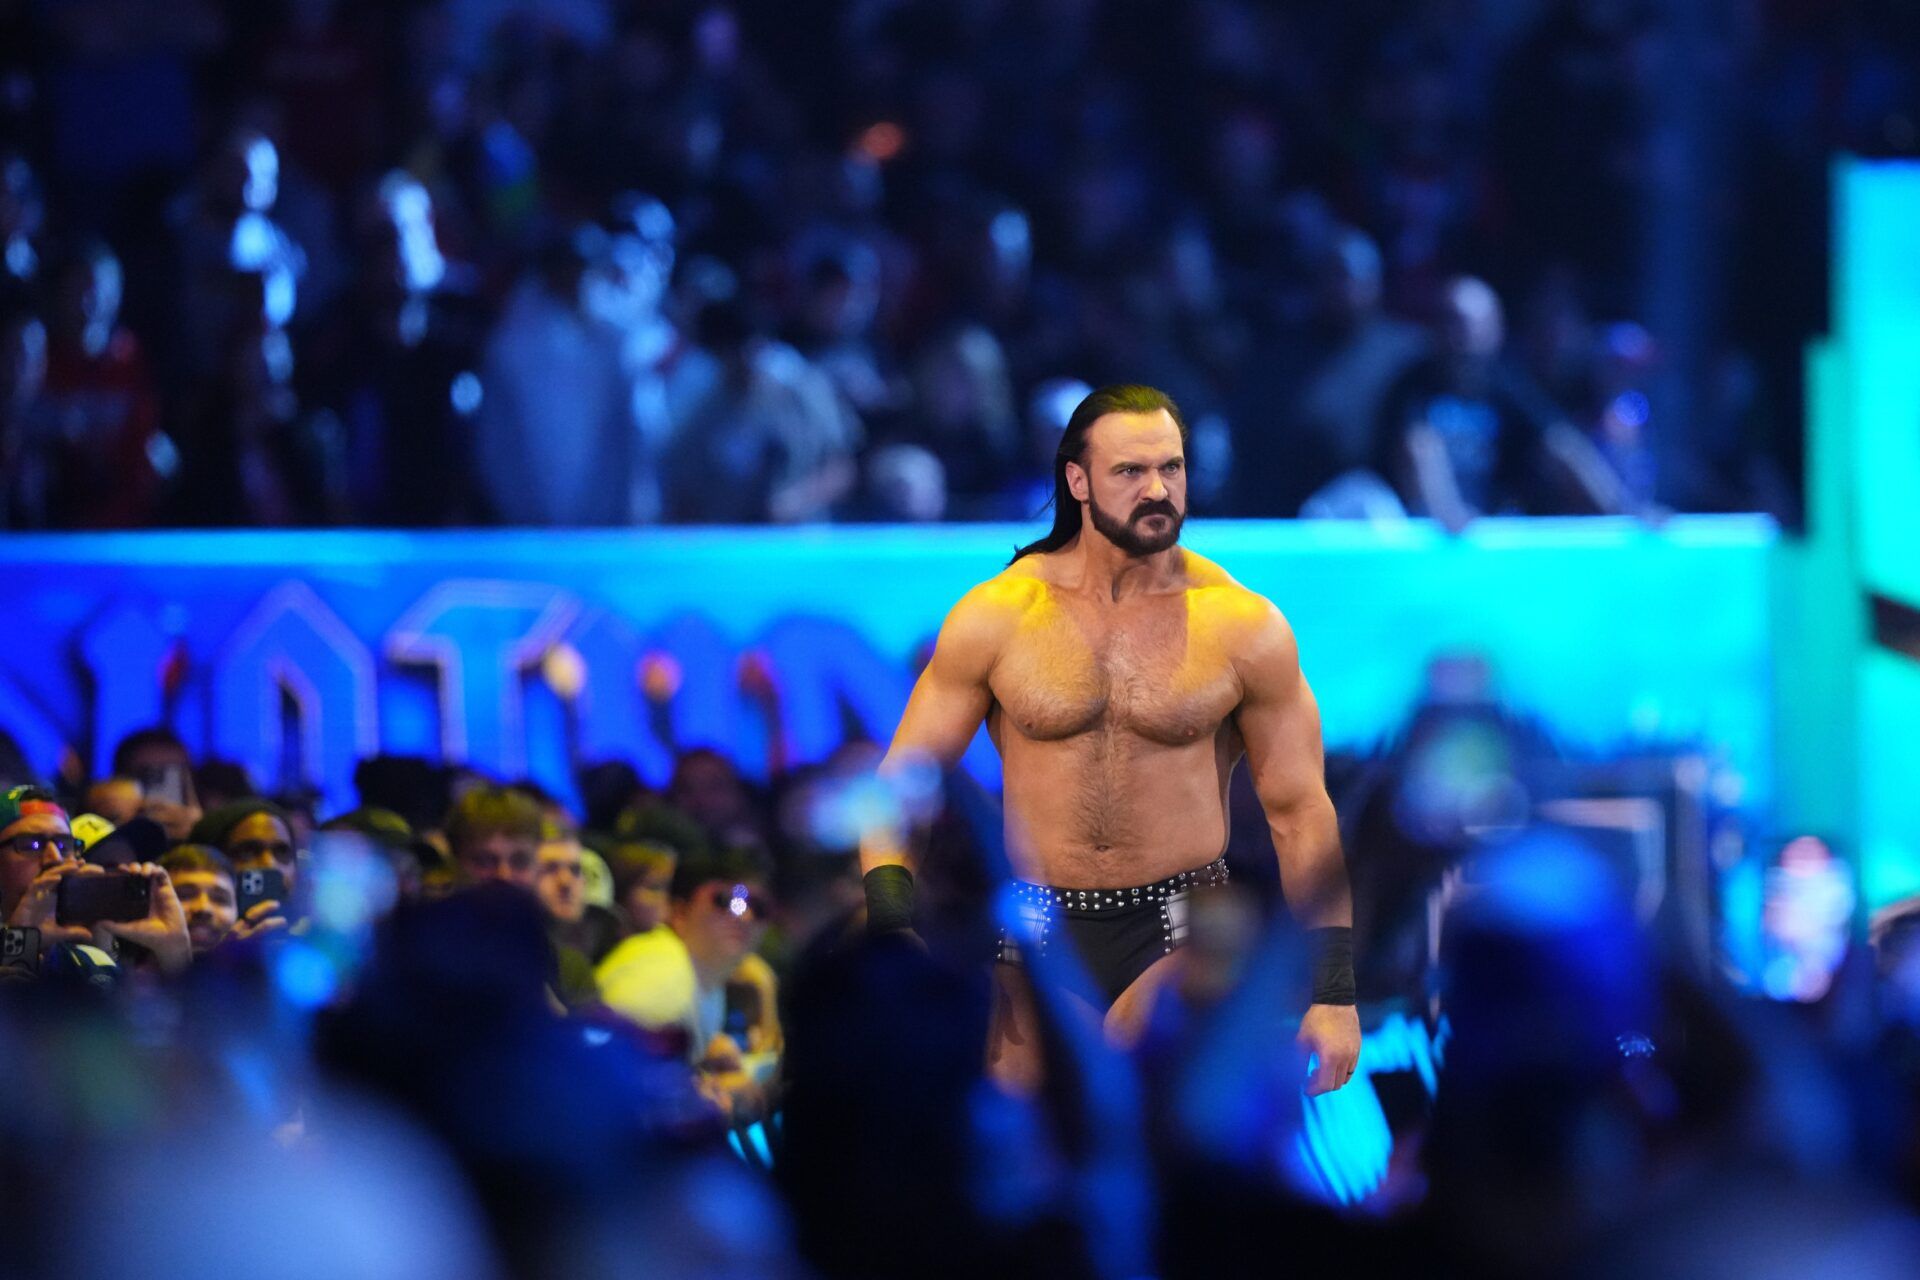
(1127, 536)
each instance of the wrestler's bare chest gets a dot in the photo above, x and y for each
(1153, 668)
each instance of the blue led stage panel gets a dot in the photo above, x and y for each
(296, 653)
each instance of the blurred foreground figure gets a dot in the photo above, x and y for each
(1122, 677)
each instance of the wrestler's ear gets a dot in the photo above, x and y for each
(1077, 481)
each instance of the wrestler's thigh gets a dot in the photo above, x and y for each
(1126, 1021)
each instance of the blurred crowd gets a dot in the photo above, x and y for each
(455, 262)
(470, 1028)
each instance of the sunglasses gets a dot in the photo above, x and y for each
(34, 845)
(738, 901)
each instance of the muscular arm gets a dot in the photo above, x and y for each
(948, 704)
(1280, 723)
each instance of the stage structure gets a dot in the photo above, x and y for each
(523, 652)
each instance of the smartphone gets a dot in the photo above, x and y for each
(114, 895)
(743, 1012)
(20, 947)
(262, 884)
(165, 782)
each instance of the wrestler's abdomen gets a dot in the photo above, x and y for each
(1114, 745)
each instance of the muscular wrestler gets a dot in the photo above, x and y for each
(1122, 677)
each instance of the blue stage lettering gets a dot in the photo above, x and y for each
(528, 653)
(293, 649)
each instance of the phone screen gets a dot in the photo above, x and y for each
(89, 899)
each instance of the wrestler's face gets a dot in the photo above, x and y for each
(1134, 480)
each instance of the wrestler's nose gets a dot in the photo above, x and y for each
(1156, 487)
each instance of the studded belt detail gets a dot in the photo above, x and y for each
(1076, 900)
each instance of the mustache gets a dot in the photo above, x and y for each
(1161, 508)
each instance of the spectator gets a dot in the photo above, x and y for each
(707, 787)
(1345, 360)
(1463, 436)
(409, 786)
(251, 455)
(556, 440)
(411, 858)
(679, 976)
(627, 288)
(21, 213)
(576, 924)
(157, 760)
(26, 462)
(35, 839)
(905, 484)
(1620, 412)
(114, 461)
(610, 789)
(838, 305)
(642, 874)
(394, 362)
(759, 433)
(965, 414)
(202, 879)
(38, 850)
(221, 782)
(117, 799)
(252, 834)
(1030, 488)
(494, 833)
(223, 228)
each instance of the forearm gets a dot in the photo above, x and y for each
(885, 844)
(1586, 472)
(1313, 871)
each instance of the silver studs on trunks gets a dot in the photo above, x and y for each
(1160, 892)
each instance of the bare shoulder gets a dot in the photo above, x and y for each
(1250, 627)
(1003, 598)
(978, 626)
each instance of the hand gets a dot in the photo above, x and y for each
(164, 931)
(659, 678)
(757, 683)
(262, 917)
(722, 1056)
(39, 904)
(1330, 1033)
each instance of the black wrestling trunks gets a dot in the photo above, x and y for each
(1116, 933)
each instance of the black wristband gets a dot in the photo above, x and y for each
(889, 899)
(1330, 951)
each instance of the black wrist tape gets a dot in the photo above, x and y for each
(1330, 951)
(889, 899)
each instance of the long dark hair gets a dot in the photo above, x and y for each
(1121, 397)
